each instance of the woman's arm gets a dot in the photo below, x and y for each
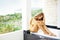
(33, 26)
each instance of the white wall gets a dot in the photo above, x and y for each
(50, 11)
(17, 35)
(58, 14)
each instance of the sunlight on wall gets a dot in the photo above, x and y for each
(50, 11)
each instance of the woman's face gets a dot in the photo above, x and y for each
(39, 17)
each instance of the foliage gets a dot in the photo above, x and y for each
(11, 17)
(34, 12)
(8, 23)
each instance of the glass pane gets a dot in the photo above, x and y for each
(36, 11)
(36, 7)
(10, 16)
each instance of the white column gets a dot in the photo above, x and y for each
(58, 13)
(58, 16)
(26, 13)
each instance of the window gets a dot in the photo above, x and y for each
(10, 15)
(48, 7)
(33, 7)
(19, 12)
(36, 7)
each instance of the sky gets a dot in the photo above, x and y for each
(10, 6)
(37, 4)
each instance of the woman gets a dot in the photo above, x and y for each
(38, 22)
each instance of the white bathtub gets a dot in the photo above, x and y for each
(55, 31)
(17, 35)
